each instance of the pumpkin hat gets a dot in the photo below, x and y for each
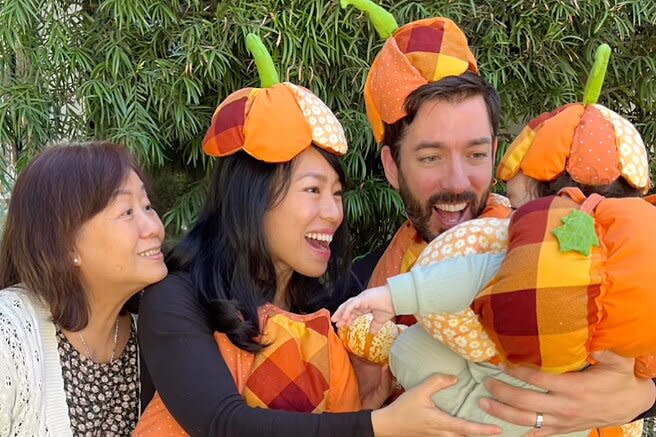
(273, 123)
(592, 143)
(413, 55)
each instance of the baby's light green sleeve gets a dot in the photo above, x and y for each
(447, 286)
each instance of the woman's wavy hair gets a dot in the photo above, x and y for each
(227, 257)
(61, 189)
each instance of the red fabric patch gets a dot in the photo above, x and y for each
(318, 324)
(231, 115)
(522, 302)
(226, 133)
(267, 381)
(426, 39)
(292, 398)
(535, 222)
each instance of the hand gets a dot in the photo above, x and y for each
(414, 414)
(377, 300)
(374, 381)
(605, 394)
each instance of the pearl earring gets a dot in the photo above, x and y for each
(76, 261)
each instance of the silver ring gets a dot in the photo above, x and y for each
(539, 421)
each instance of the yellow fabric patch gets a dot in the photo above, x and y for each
(448, 66)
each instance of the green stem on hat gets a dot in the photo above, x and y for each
(597, 74)
(263, 61)
(383, 21)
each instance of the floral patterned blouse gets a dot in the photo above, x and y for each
(102, 398)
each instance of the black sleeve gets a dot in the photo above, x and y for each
(195, 383)
(364, 267)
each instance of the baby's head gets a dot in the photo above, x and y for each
(521, 189)
(585, 145)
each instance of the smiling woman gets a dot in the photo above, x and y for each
(240, 328)
(81, 238)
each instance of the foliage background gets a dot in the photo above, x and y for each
(149, 74)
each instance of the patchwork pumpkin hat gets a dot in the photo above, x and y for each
(273, 123)
(413, 55)
(593, 144)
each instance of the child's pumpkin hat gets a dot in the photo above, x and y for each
(593, 144)
(413, 55)
(273, 123)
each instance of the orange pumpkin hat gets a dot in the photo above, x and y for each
(589, 141)
(413, 55)
(273, 123)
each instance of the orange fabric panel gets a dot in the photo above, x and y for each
(593, 156)
(156, 421)
(275, 127)
(628, 325)
(375, 119)
(645, 366)
(392, 79)
(344, 395)
(547, 156)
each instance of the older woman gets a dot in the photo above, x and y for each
(81, 239)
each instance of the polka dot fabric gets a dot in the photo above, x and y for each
(462, 332)
(634, 164)
(326, 129)
(483, 235)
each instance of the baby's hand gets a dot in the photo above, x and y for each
(377, 301)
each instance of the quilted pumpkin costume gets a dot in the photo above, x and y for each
(564, 277)
(303, 367)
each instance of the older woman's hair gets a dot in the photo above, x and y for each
(60, 190)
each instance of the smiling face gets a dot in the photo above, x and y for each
(119, 249)
(299, 228)
(445, 164)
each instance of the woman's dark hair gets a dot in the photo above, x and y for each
(226, 253)
(618, 188)
(61, 189)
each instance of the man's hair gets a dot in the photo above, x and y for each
(450, 89)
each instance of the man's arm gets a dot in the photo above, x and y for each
(605, 394)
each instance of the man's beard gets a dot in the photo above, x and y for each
(420, 216)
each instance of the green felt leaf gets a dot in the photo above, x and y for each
(577, 233)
